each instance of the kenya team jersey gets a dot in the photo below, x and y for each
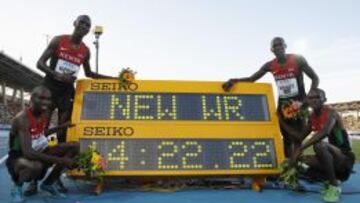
(37, 132)
(69, 59)
(289, 78)
(337, 136)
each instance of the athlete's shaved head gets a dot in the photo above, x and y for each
(39, 90)
(277, 40)
(83, 17)
(319, 93)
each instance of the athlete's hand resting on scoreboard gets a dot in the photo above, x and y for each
(67, 124)
(228, 85)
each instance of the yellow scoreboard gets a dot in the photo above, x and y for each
(172, 128)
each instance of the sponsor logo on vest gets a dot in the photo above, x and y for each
(70, 58)
(284, 76)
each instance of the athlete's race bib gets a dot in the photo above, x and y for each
(40, 143)
(287, 87)
(66, 67)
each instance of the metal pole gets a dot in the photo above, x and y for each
(3, 92)
(98, 30)
(14, 95)
(3, 88)
(97, 52)
(22, 98)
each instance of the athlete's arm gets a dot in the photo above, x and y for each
(58, 128)
(329, 124)
(304, 66)
(47, 54)
(316, 137)
(294, 134)
(254, 77)
(89, 73)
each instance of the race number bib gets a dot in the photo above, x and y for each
(66, 67)
(287, 87)
(40, 143)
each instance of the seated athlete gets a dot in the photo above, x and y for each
(333, 160)
(29, 153)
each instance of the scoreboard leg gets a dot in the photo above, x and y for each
(99, 188)
(257, 183)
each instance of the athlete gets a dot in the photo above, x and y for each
(66, 54)
(29, 153)
(334, 159)
(288, 71)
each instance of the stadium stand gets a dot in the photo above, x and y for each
(350, 112)
(19, 78)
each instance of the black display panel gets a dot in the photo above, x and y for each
(185, 154)
(174, 106)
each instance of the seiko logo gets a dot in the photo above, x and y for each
(108, 131)
(104, 86)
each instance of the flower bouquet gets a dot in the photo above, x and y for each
(93, 165)
(126, 77)
(293, 110)
(289, 174)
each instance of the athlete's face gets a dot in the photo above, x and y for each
(278, 47)
(314, 100)
(41, 101)
(82, 25)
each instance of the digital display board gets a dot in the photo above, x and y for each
(178, 128)
(185, 154)
(174, 106)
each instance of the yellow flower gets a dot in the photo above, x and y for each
(95, 158)
(128, 76)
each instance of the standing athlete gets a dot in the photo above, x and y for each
(288, 71)
(66, 53)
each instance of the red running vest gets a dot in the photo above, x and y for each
(287, 77)
(317, 122)
(69, 58)
(36, 128)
